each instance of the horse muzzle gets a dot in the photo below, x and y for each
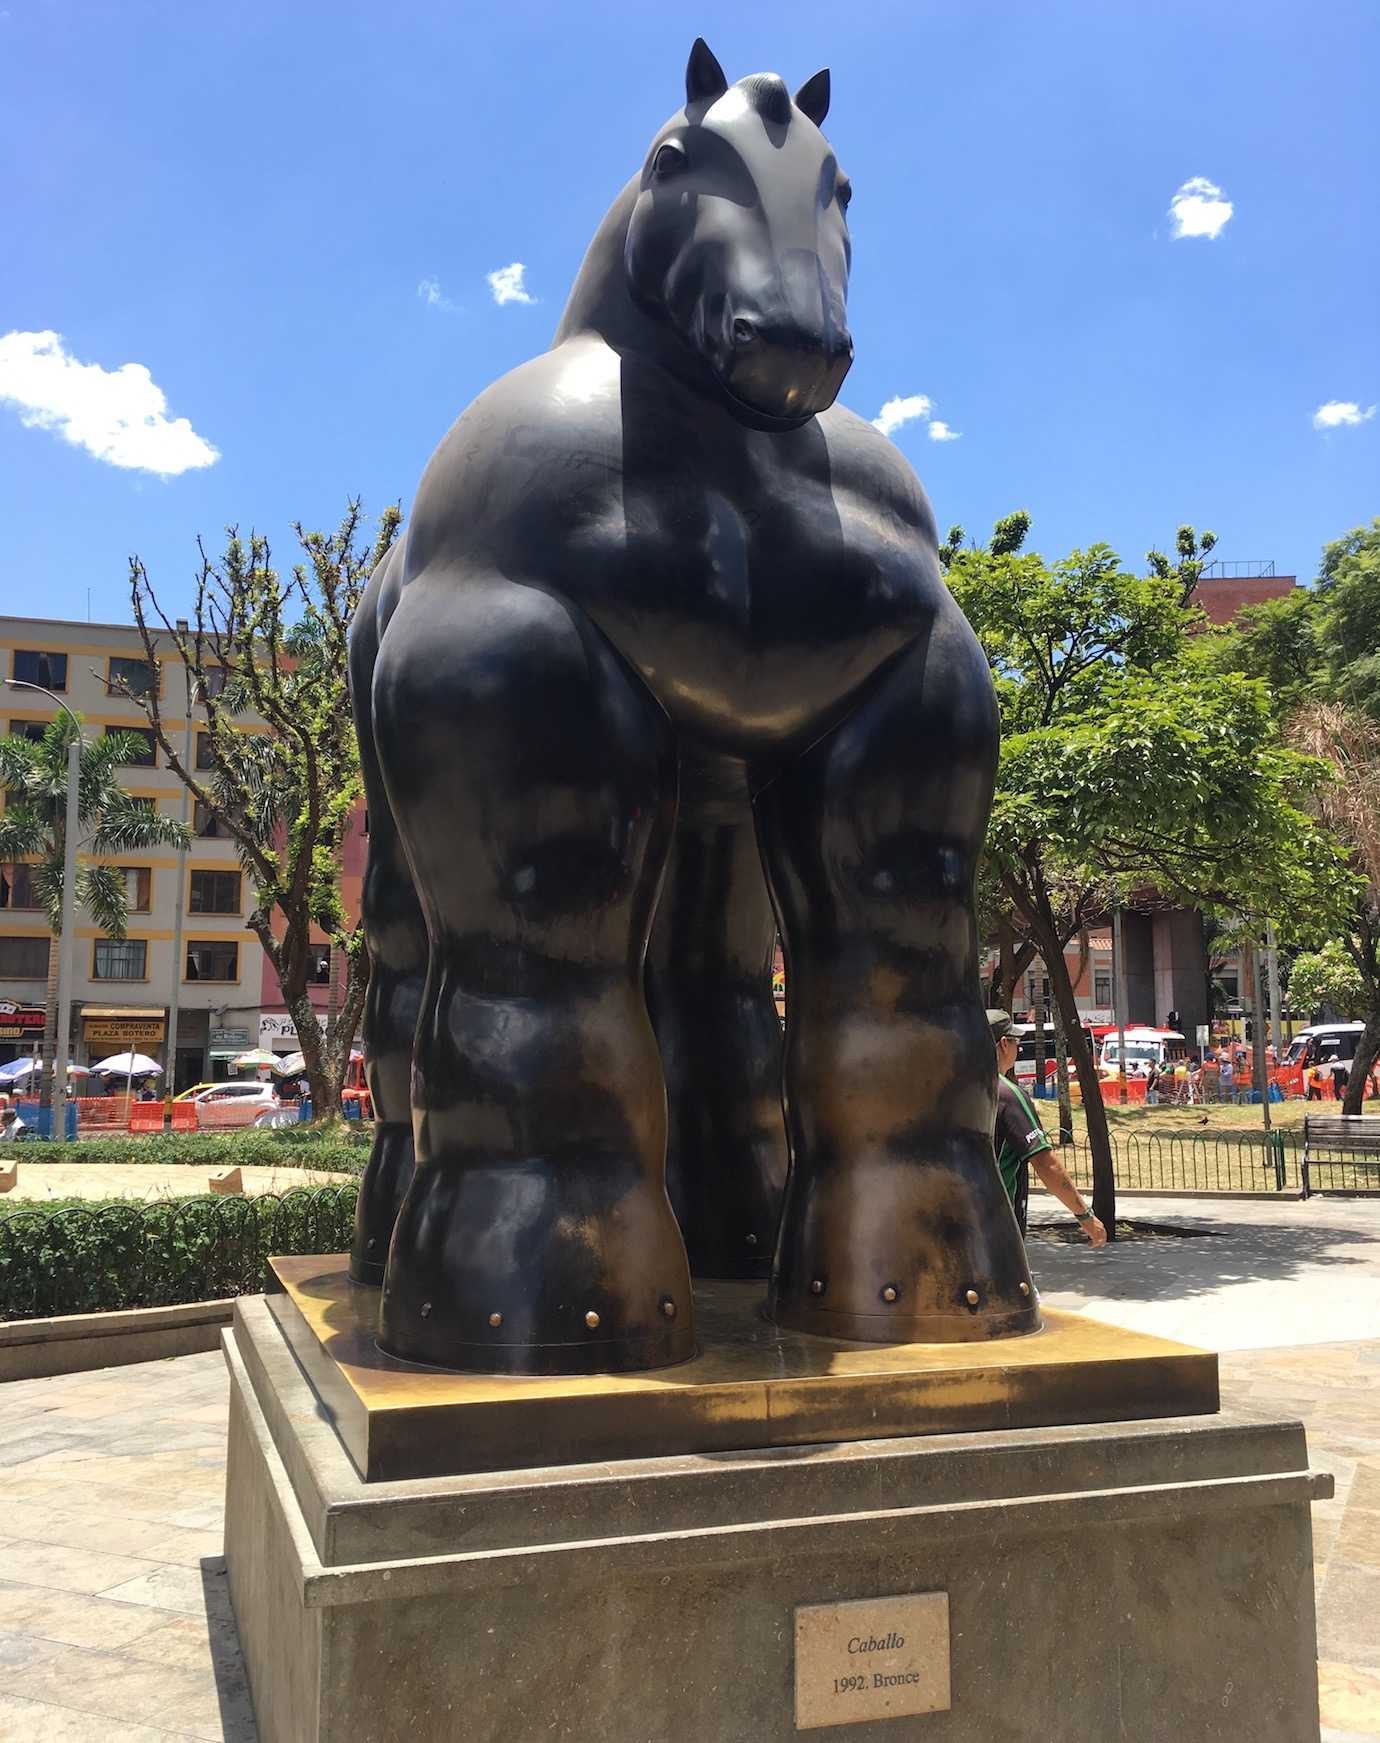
(782, 371)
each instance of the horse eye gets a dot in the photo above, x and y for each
(845, 192)
(670, 158)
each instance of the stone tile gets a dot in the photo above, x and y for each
(74, 1618)
(1360, 1544)
(1365, 1487)
(218, 1712)
(24, 1721)
(18, 1650)
(108, 1684)
(1349, 1696)
(174, 1588)
(186, 1548)
(67, 1569)
(23, 1449)
(193, 1643)
(1349, 1612)
(107, 1532)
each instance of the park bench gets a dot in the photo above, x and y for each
(1346, 1142)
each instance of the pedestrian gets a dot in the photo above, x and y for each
(1313, 1082)
(1226, 1074)
(1152, 1084)
(1022, 1143)
(12, 1128)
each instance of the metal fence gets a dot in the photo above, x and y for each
(1196, 1161)
(107, 1257)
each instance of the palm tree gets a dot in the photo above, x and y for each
(33, 826)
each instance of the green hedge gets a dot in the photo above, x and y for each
(339, 1148)
(91, 1259)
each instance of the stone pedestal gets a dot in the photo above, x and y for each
(1147, 1580)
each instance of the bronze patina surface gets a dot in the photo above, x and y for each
(751, 1384)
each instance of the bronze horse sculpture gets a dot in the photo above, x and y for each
(664, 663)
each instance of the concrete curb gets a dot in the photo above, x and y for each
(32, 1349)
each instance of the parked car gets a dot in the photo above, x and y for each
(233, 1104)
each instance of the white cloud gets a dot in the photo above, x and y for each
(119, 415)
(1337, 412)
(1198, 209)
(940, 431)
(507, 286)
(902, 410)
(430, 292)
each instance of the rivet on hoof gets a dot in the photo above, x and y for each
(373, 1242)
(495, 1319)
(817, 1287)
(426, 1309)
(972, 1298)
(890, 1292)
(1024, 1288)
(591, 1319)
(752, 1240)
(668, 1307)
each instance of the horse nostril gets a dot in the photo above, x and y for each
(743, 331)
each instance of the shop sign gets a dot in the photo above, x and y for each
(20, 1022)
(277, 1026)
(124, 1032)
(229, 1040)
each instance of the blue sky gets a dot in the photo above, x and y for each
(251, 202)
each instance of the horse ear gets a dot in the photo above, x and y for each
(812, 98)
(704, 77)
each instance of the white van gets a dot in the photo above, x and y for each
(1144, 1048)
(1326, 1044)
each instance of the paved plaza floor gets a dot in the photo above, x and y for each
(114, 1621)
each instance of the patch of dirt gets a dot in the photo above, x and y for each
(1067, 1235)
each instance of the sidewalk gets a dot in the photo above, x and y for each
(114, 1621)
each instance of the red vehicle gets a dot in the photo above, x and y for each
(354, 1092)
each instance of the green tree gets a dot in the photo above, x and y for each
(1125, 765)
(1327, 977)
(277, 645)
(33, 832)
(1349, 742)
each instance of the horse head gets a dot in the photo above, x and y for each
(738, 240)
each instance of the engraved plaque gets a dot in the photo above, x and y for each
(881, 1658)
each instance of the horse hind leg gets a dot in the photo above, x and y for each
(395, 937)
(709, 993)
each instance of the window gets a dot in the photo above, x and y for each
(206, 823)
(204, 758)
(17, 887)
(136, 676)
(319, 971)
(119, 959)
(149, 757)
(33, 730)
(215, 892)
(1102, 990)
(1230, 983)
(32, 666)
(23, 958)
(213, 682)
(212, 959)
(138, 888)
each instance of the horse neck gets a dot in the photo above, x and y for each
(601, 303)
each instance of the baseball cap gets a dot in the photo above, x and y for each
(999, 1022)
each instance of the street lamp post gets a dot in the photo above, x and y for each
(57, 1094)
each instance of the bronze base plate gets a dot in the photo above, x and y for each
(752, 1385)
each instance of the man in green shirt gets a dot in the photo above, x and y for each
(1022, 1143)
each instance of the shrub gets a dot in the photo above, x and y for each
(93, 1258)
(340, 1149)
